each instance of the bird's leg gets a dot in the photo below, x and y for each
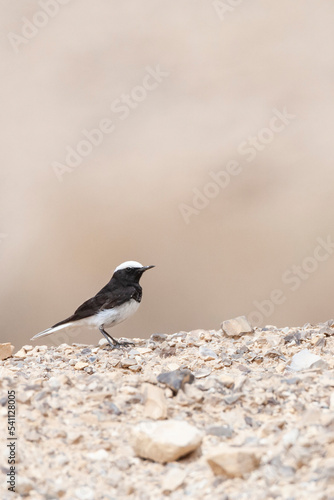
(115, 344)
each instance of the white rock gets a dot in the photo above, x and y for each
(155, 405)
(206, 353)
(21, 353)
(173, 479)
(305, 360)
(98, 455)
(233, 462)
(236, 327)
(290, 437)
(103, 342)
(165, 441)
(54, 383)
(84, 493)
(80, 365)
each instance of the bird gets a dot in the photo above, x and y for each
(115, 302)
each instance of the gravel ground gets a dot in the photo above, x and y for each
(261, 403)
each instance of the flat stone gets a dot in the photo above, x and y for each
(6, 350)
(305, 360)
(155, 405)
(98, 456)
(80, 365)
(236, 327)
(20, 354)
(176, 379)
(233, 462)
(203, 372)
(165, 441)
(206, 353)
(220, 430)
(173, 479)
(226, 380)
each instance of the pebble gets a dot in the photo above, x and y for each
(233, 462)
(6, 350)
(206, 353)
(173, 479)
(155, 404)
(176, 379)
(80, 365)
(165, 441)
(305, 359)
(236, 327)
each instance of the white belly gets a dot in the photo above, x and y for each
(111, 317)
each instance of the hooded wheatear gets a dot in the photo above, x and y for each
(114, 303)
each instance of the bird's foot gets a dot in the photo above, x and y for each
(116, 344)
(113, 343)
(123, 343)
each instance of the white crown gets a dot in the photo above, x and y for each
(128, 263)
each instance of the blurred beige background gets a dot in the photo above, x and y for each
(227, 72)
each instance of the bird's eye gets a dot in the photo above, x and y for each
(128, 268)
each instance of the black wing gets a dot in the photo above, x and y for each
(102, 300)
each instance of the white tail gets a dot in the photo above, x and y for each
(49, 331)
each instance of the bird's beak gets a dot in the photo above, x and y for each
(145, 268)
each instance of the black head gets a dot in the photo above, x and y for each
(130, 271)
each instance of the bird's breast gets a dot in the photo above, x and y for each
(110, 317)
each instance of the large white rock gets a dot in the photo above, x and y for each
(233, 462)
(236, 327)
(165, 441)
(305, 360)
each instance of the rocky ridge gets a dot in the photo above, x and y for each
(201, 415)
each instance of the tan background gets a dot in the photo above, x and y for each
(60, 241)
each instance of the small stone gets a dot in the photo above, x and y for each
(103, 342)
(84, 493)
(80, 365)
(326, 331)
(236, 327)
(233, 462)
(176, 379)
(165, 441)
(305, 360)
(6, 350)
(54, 383)
(127, 362)
(203, 372)
(220, 430)
(158, 337)
(206, 353)
(230, 400)
(74, 437)
(290, 437)
(28, 348)
(226, 380)
(155, 405)
(168, 352)
(99, 455)
(20, 354)
(173, 479)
